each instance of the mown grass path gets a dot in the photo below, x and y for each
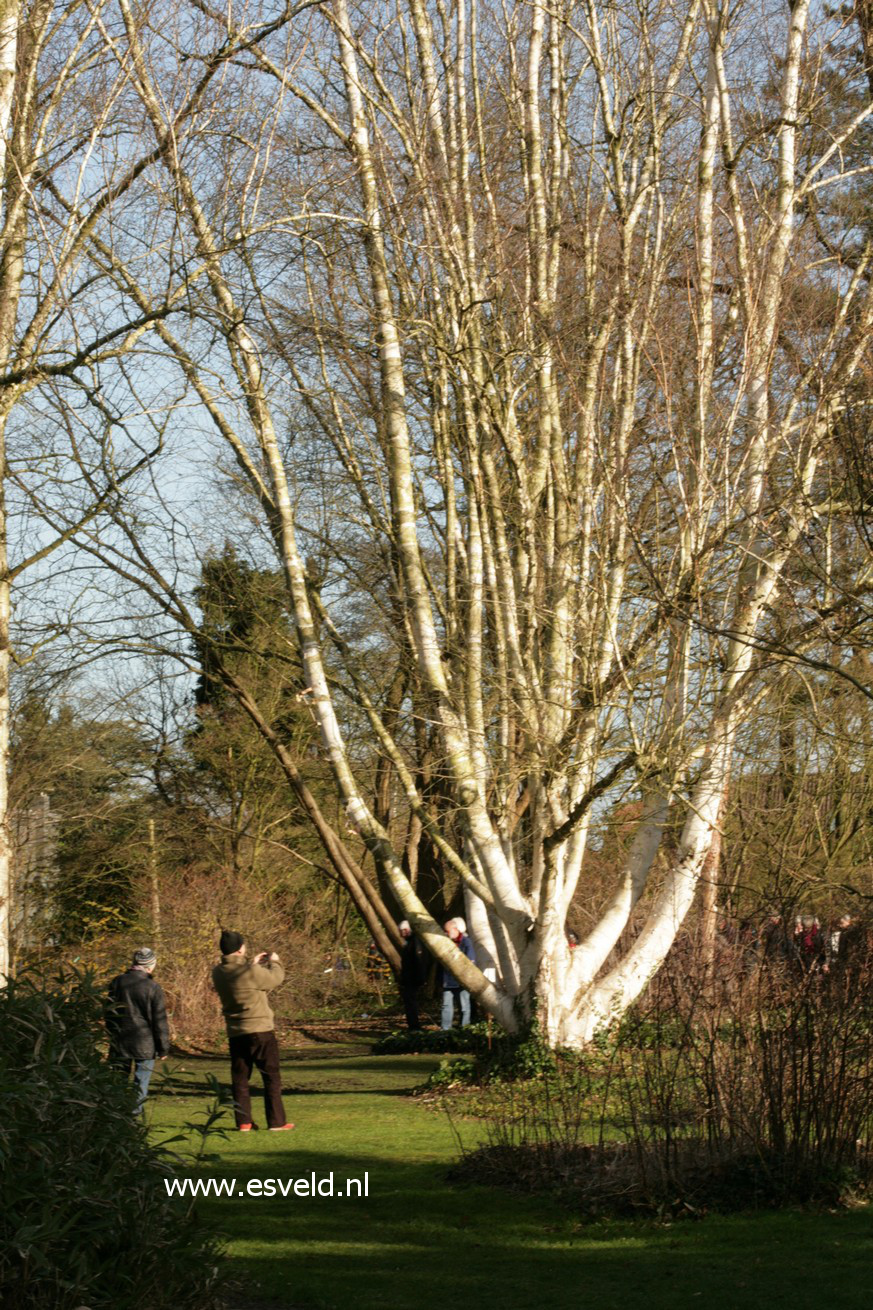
(418, 1242)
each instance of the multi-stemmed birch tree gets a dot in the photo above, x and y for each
(526, 355)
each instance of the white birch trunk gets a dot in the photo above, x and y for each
(9, 20)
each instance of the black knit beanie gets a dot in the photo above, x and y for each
(230, 942)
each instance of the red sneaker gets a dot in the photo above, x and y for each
(283, 1128)
(244, 1128)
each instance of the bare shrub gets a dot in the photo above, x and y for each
(195, 906)
(707, 1096)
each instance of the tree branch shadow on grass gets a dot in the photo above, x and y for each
(177, 1079)
(438, 1244)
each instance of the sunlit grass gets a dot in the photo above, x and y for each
(418, 1242)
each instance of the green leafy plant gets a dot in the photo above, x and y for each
(84, 1214)
(452, 1073)
(475, 1038)
(495, 1056)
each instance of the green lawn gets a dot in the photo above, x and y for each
(417, 1241)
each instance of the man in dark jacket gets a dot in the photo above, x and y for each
(136, 1020)
(413, 972)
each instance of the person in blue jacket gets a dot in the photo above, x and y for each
(457, 930)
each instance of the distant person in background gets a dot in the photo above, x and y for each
(774, 947)
(453, 990)
(846, 948)
(136, 1021)
(845, 938)
(413, 972)
(378, 968)
(810, 946)
(242, 987)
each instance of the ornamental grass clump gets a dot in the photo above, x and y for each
(84, 1215)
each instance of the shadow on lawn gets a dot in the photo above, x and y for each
(353, 1077)
(417, 1242)
(346, 1050)
(184, 1086)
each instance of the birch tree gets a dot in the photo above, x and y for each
(511, 322)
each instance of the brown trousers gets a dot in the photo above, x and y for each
(260, 1050)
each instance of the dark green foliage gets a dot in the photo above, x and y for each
(121, 818)
(523, 1056)
(475, 1037)
(84, 1216)
(246, 629)
(496, 1055)
(451, 1073)
(93, 770)
(613, 1178)
(228, 771)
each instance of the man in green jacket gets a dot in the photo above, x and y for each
(242, 987)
